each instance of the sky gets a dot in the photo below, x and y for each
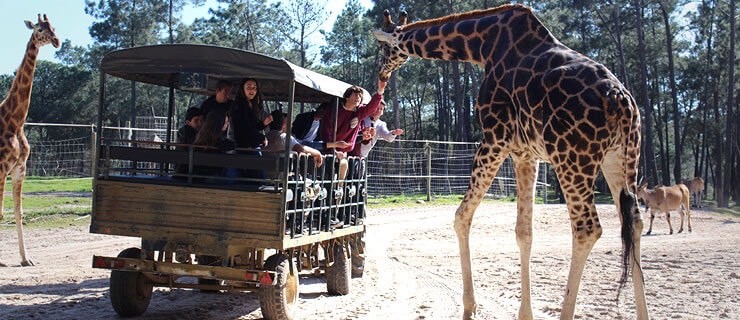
(70, 21)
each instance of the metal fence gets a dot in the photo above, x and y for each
(406, 167)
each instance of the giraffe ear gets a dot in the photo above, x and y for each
(385, 37)
(29, 24)
(403, 18)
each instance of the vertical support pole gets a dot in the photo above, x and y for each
(429, 170)
(93, 152)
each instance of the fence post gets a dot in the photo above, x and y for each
(94, 151)
(429, 170)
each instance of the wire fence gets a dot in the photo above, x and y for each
(404, 167)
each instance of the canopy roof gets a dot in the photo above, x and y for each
(197, 68)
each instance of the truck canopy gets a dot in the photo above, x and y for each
(193, 68)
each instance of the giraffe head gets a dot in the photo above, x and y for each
(388, 39)
(43, 32)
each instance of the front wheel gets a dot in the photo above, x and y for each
(278, 302)
(130, 292)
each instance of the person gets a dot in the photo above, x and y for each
(277, 137)
(376, 129)
(348, 124)
(246, 124)
(349, 116)
(212, 136)
(306, 128)
(193, 121)
(249, 97)
(220, 100)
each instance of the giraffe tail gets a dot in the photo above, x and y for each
(629, 128)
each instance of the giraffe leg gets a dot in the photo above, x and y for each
(613, 170)
(2, 193)
(480, 180)
(585, 229)
(18, 174)
(526, 176)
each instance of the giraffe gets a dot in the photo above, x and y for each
(539, 100)
(14, 149)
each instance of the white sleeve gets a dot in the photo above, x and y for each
(382, 132)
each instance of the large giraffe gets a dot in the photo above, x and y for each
(14, 147)
(539, 100)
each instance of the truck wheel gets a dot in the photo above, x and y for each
(358, 258)
(130, 292)
(278, 302)
(208, 261)
(339, 273)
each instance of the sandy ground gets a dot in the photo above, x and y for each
(412, 272)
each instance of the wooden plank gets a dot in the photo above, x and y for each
(181, 207)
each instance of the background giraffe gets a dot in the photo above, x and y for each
(14, 149)
(539, 100)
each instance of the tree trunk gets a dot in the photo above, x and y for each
(728, 188)
(674, 96)
(650, 168)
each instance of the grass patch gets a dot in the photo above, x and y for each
(420, 200)
(50, 184)
(50, 202)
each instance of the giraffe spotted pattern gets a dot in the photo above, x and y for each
(539, 101)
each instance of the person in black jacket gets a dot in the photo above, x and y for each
(193, 121)
(220, 100)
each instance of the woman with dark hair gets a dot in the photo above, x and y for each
(213, 135)
(249, 97)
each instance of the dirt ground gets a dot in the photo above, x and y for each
(412, 272)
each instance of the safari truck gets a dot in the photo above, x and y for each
(221, 232)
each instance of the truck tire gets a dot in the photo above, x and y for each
(130, 292)
(278, 302)
(339, 273)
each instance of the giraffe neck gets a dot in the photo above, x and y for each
(483, 37)
(15, 107)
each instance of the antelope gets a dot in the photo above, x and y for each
(696, 187)
(666, 199)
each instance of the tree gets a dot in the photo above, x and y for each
(304, 18)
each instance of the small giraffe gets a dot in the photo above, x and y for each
(539, 100)
(14, 149)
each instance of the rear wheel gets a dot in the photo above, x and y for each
(339, 273)
(278, 302)
(130, 292)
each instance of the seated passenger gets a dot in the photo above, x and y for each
(249, 97)
(220, 100)
(277, 138)
(246, 126)
(193, 121)
(187, 133)
(212, 136)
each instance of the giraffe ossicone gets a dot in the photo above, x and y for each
(14, 148)
(539, 101)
